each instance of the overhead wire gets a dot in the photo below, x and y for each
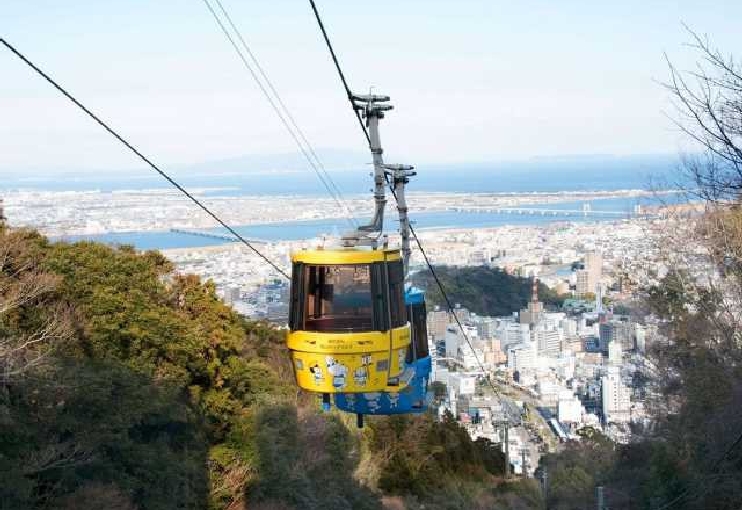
(279, 107)
(337, 195)
(348, 93)
(438, 282)
(141, 156)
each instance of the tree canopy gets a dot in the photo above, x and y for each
(146, 391)
(483, 290)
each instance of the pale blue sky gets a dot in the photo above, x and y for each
(471, 80)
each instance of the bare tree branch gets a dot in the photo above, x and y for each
(32, 324)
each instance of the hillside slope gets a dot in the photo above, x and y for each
(145, 391)
(483, 290)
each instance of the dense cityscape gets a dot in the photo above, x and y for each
(556, 371)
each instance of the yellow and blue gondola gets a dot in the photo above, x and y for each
(348, 329)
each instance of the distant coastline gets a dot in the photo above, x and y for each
(425, 221)
(249, 176)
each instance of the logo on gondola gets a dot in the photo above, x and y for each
(316, 371)
(372, 401)
(393, 400)
(401, 356)
(360, 374)
(337, 370)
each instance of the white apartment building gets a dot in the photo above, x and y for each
(549, 342)
(615, 353)
(569, 408)
(615, 397)
(455, 340)
(522, 357)
(510, 333)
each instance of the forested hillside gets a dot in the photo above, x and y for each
(128, 386)
(482, 290)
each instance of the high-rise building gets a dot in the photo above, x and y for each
(573, 344)
(549, 341)
(615, 397)
(455, 341)
(625, 334)
(616, 331)
(485, 327)
(641, 338)
(565, 365)
(615, 353)
(569, 326)
(498, 356)
(437, 323)
(594, 267)
(533, 313)
(469, 357)
(582, 287)
(452, 341)
(522, 357)
(607, 334)
(511, 333)
(589, 277)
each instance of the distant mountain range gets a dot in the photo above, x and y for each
(332, 160)
(267, 174)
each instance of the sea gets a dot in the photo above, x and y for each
(581, 174)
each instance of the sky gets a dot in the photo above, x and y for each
(471, 80)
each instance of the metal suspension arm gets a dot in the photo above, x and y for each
(400, 176)
(372, 107)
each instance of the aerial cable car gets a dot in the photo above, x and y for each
(348, 328)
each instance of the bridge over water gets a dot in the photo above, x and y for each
(586, 210)
(213, 235)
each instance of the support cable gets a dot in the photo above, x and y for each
(348, 93)
(281, 115)
(337, 193)
(140, 155)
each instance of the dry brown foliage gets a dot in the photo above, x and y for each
(32, 322)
